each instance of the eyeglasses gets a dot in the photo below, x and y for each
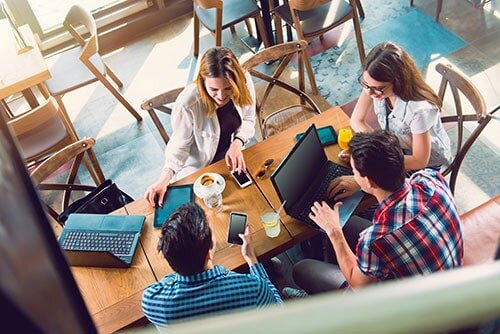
(265, 166)
(376, 89)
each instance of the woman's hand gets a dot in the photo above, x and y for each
(159, 188)
(234, 157)
(342, 187)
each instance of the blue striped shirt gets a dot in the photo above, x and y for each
(216, 290)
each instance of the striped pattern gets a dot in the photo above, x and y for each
(416, 231)
(216, 290)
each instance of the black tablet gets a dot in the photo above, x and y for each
(326, 134)
(175, 197)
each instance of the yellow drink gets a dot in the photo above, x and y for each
(345, 136)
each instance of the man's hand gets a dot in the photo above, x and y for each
(326, 218)
(342, 187)
(247, 250)
(234, 157)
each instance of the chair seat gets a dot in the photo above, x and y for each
(233, 11)
(317, 19)
(36, 143)
(69, 73)
(287, 117)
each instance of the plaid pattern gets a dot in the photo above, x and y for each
(178, 297)
(416, 230)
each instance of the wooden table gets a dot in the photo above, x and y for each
(20, 72)
(113, 296)
(277, 147)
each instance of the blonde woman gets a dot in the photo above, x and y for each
(212, 119)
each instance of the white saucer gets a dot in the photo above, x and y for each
(201, 190)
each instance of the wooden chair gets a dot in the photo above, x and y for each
(460, 85)
(161, 103)
(72, 153)
(439, 6)
(313, 18)
(274, 121)
(481, 232)
(82, 65)
(217, 15)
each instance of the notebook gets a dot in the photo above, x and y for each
(94, 240)
(174, 198)
(304, 176)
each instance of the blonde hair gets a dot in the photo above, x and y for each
(221, 62)
(388, 62)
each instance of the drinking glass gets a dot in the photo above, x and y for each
(345, 136)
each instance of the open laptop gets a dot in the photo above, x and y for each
(94, 240)
(304, 176)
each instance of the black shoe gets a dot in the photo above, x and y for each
(292, 293)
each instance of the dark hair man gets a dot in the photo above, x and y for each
(198, 286)
(415, 228)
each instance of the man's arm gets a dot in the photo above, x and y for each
(328, 220)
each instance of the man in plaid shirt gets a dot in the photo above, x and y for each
(415, 229)
(199, 287)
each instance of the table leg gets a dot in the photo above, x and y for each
(30, 98)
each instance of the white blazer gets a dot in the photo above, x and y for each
(195, 136)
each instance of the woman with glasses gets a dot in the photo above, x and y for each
(404, 104)
(212, 119)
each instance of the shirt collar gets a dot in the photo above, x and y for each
(396, 196)
(204, 276)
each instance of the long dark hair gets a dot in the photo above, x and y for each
(388, 62)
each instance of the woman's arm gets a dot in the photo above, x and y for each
(421, 151)
(247, 128)
(358, 119)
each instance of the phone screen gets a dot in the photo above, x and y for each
(242, 178)
(237, 224)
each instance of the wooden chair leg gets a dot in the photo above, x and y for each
(66, 120)
(43, 89)
(359, 37)
(113, 76)
(361, 11)
(196, 24)
(116, 93)
(411, 3)
(159, 126)
(218, 37)
(262, 30)
(310, 72)
(233, 29)
(439, 6)
(249, 27)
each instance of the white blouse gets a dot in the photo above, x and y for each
(195, 135)
(415, 117)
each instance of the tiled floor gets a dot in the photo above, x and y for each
(131, 153)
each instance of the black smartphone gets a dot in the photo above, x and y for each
(237, 225)
(242, 178)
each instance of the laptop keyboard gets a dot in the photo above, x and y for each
(320, 193)
(117, 243)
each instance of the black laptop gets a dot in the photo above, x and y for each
(94, 240)
(304, 176)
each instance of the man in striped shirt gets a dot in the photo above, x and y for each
(198, 287)
(415, 229)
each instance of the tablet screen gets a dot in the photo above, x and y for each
(175, 197)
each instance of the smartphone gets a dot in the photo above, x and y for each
(242, 178)
(237, 225)
(326, 134)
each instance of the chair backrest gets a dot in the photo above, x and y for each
(43, 130)
(481, 232)
(284, 54)
(73, 153)
(462, 86)
(297, 6)
(162, 103)
(77, 15)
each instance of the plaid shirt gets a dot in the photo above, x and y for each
(416, 230)
(178, 297)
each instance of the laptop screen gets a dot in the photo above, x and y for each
(294, 175)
